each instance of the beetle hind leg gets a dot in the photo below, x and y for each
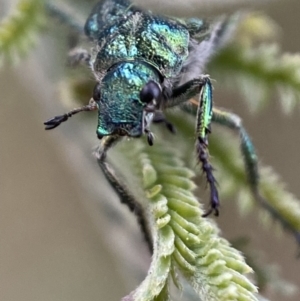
(234, 122)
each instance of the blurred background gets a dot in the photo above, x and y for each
(56, 206)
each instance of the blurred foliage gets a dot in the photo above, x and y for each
(19, 31)
(183, 241)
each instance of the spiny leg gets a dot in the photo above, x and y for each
(234, 122)
(57, 120)
(204, 116)
(120, 188)
(181, 94)
(203, 157)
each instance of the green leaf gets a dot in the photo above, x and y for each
(213, 268)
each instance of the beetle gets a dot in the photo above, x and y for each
(145, 64)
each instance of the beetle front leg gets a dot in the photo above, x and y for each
(120, 188)
(204, 116)
(181, 94)
(106, 143)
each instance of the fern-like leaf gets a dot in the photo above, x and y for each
(182, 238)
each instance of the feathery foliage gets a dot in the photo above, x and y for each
(182, 238)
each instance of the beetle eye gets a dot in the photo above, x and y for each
(150, 92)
(97, 92)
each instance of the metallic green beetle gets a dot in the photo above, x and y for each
(145, 64)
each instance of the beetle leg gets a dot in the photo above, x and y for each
(182, 94)
(234, 122)
(106, 143)
(120, 188)
(126, 197)
(204, 116)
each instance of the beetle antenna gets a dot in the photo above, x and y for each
(57, 120)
